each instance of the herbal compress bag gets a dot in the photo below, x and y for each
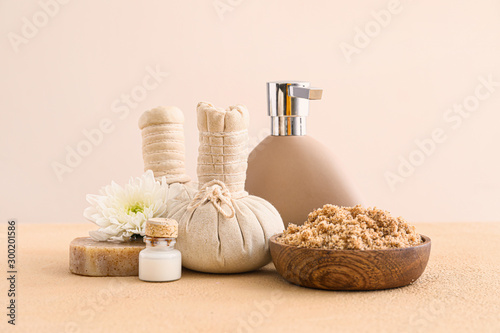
(223, 229)
(163, 150)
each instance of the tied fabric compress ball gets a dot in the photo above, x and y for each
(223, 229)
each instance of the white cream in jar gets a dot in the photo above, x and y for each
(160, 261)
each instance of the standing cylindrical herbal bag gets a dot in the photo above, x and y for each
(163, 150)
(223, 229)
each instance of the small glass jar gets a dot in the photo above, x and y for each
(160, 261)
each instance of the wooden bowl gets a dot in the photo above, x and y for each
(350, 269)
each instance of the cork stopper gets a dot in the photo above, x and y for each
(161, 228)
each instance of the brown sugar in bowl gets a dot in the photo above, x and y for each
(350, 269)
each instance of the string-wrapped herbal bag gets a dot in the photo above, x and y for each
(223, 229)
(163, 150)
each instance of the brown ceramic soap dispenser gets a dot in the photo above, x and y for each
(290, 169)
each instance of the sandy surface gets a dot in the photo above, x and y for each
(458, 292)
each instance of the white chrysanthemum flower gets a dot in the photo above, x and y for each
(121, 212)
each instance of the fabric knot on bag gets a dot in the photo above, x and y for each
(218, 194)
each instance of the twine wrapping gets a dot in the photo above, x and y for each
(163, 147)
(218, 194)
(223, 150)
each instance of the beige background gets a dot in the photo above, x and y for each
(65, 78)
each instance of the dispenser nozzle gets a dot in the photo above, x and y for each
(288, 106)
(307, 93)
